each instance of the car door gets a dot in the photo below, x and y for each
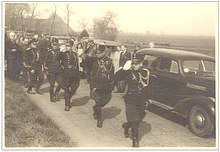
(149, 62)
(166, 82)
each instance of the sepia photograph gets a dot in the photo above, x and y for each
(110, 75)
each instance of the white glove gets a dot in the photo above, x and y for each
(127, 65)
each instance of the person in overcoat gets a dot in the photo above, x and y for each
(13, 56)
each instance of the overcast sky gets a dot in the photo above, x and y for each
(182, 18)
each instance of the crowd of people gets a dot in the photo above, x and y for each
(32, 60)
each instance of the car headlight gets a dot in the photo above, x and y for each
(213, 99)
(213, 109)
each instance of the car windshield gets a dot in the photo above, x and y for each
(62, 41)
(199, 67)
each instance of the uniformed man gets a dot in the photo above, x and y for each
(125, 55)
(44, 44)
(137, 47)
(102, 71)
(24, 45)
(135, 98)
(13, 56)
(88, 53)
(70, 73)
(33, 60)
(53, 67)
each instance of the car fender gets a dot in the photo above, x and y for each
(184, 106)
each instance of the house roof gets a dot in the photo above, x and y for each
(43, 25)
(59, 28)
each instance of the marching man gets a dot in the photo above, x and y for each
(102, 71)
(70, 72)
(137, 78)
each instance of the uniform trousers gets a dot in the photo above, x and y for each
(36, 79)
(54, 77)
(70, 83)
(101, 97)
(13, 68)
(135, 112)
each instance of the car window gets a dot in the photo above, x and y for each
(209, 66)
(193, 66)
(62, 41)
(174, 67)
(148, 61)
(167, 65)
(161, 64)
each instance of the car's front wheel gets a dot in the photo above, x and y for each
(200, 122)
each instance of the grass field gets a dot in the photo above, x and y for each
(26, 125)
(199, 44)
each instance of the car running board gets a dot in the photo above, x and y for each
(161, 105)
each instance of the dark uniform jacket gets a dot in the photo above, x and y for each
(52, 61)
(33, 58)
(69, 64)
(43, 45)
(9, 54)
(137, 83)
(124, 57)
(102, 71)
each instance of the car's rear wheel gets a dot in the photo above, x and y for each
(200, 122)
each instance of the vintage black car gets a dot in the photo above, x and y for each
(184, 83)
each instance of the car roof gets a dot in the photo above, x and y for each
(107, 42)
(61, 37)
(175, 54)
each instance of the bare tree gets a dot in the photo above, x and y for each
(33, 7)
(19, 15)
(83, 24)
(69, 12)
(53, 19)
(105, 27)
(15, 14)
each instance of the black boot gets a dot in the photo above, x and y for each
(126, 134)
(94, 113)
(135, 143)
(67, 102)
(99, 119)
(126, 127)
(30, 91)
(57, 97)
(52, 97)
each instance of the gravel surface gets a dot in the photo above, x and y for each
(79, 124)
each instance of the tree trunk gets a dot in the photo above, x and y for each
(68, 24)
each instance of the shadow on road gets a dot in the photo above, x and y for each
(111, 112)
(80, 101)
(45, 90)
(144, 129)
(168, 115)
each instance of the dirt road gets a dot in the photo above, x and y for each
(79, 124)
